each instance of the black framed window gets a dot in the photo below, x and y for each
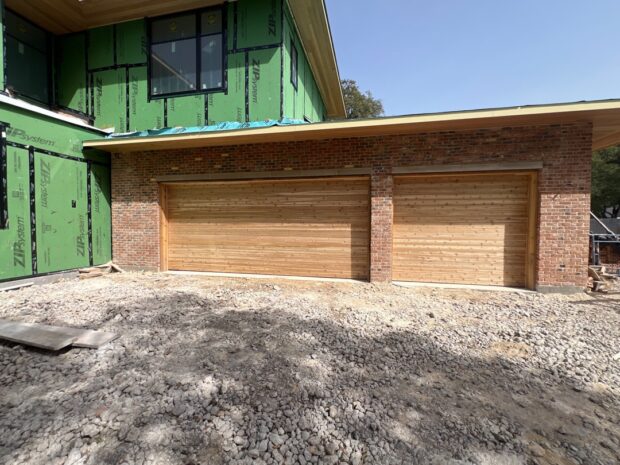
(4, 199)
(294, 65)
(187, 54)
(27, 58)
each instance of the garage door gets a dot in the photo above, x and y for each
(468, 229)
(301, 227)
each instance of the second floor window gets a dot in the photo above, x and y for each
(27, 64)
(187, 54)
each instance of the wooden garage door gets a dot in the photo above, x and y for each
(468, 228)
(300, 227)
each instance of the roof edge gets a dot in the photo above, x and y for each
(604, 114)
(317, 40)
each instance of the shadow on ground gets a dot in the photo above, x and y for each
(197, 380)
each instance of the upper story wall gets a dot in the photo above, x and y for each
(104, 73)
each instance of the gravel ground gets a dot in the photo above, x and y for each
(213, 371)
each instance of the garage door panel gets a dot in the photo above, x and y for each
(309, 227)
(471, 229)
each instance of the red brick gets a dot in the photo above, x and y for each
(564, 185)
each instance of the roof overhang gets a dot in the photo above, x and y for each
(603, 115)
(67, 16)
(316, 37)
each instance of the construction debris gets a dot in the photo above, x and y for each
(52, 338)
(99, 270)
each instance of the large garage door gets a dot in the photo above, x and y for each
(468, 229)
(301, 227)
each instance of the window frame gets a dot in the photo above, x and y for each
(294, 65)
(197, 13)
(4, 181)
(49, 52)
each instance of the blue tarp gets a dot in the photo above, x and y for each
(227, 126)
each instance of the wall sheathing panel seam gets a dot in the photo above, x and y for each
(4, 200)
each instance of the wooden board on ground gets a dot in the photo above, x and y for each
(296, 227)
(52, 338)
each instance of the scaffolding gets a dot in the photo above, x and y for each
(598, 236)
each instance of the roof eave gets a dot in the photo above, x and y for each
(313, 25)
(603, 115)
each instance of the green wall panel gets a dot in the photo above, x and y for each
(264, 77)
(61, 213)
(58, 182)
(142, 113)
(258, 23)
(2, 83)
(15, 251)
(100, 47)
(131, 42)
(186, 111)
(230, 106)
(110, 106)
(306, 101)
(71, 82)
(44, 133)
(101, 214)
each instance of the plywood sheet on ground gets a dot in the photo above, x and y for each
(52, 337)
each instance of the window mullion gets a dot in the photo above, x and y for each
(198, 52)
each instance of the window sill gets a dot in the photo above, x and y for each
(65, 118)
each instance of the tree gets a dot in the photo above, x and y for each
(360, 104)
(606, 183)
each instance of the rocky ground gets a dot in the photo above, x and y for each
(213, 371)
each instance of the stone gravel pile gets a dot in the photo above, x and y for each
(214, 371)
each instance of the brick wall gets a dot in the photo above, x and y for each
(564, 185)
(610, 257)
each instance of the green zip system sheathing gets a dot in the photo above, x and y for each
(103, 73)
(305, 102)
(58, 199)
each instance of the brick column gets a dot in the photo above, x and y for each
(381, 212)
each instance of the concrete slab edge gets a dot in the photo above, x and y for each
(261, 276)
(467, 287)
(38, 280)
(560, 289)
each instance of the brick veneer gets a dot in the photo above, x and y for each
(564, 185)
(610, 257)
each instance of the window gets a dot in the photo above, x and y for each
(4, 202)
(294, 59)
(27, 61)
(187, 54)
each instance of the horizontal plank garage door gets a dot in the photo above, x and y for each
(467, 228)
(299, 227)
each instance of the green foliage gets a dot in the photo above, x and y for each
(606, 182)
(360, 104)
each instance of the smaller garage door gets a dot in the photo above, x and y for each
(298, 227)
(467, 228)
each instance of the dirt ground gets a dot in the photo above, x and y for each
(233, 371)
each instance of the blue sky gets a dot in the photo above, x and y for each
(422, 56)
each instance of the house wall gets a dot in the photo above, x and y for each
(57, 198)
(103, 73)
(564, 186)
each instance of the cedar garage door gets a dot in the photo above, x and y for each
(466, 228)
(298, 227)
